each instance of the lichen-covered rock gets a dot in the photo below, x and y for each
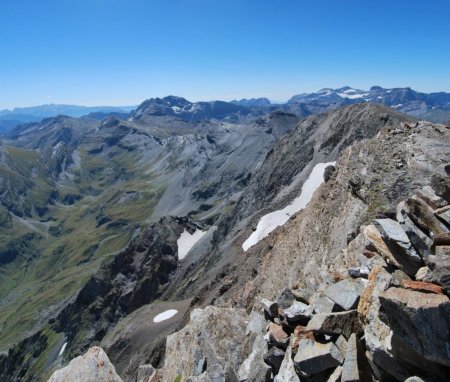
(217, 334)
(93, 366)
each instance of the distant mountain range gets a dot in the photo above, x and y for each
(19, 115)
(434, 107)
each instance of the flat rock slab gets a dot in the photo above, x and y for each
(344, 323)
(345, 293)
(314, 357)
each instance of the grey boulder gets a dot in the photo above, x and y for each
(345, 293)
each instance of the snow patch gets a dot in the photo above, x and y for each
(352, 96)
(62, 349)
(165, 315)
(187, 240)
(278, 218)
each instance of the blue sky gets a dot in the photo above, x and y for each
(120, 52)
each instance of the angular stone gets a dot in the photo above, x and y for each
(298, 312)
(287, 371)
(345, 293)
(254, 369)
(321, 303)
(423, 216)
(374, 237)
(334, 323)
(425, 274)
(444, 214)
(314, 357)
(399, 245)
(440, 267)
(421, 286)
(94, 365)
(419, 239)
(421, 320)
(270, 308)
(278, 336)
(350, 372)
(300, 333)
(286, 299)
(442, 239)
(398, 276)
(274, 357)
(377, 334)
(441, 186)
(429, 196)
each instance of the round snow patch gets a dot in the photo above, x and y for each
(165, 315)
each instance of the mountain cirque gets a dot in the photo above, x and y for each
(352, 287)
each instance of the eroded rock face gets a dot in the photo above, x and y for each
(215, 334)
(93, 366)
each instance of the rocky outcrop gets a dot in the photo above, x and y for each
(211, 347)
(93, 366)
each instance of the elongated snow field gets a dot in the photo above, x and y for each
(278, 218)
(186, 241)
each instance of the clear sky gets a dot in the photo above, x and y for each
(120, 52)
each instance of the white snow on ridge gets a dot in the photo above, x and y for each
(352, 96)
(165, 315)
(186, 241)
(278, 218)
(62, 349)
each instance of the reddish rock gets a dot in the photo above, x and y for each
(421, 286)
(278, 336)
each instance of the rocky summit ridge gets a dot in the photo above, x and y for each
(354, 287)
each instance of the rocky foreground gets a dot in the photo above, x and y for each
(379, 310)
